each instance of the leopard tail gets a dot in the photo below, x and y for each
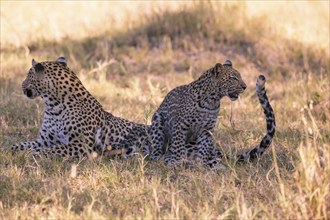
(270, 120)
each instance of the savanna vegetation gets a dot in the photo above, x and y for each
(129, 55)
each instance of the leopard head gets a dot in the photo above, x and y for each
(41, 77)
(229, 80)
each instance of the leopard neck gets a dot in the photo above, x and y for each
(206, 86)
(68, 91)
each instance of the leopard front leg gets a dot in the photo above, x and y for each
(45, 140)
(207, 152)
(177, 149)
(33, 146)
(75, 150)
(72, 150)
(81, 145)
(157, 133)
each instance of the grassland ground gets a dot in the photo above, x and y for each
(130, 70)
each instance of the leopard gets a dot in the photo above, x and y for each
(257, 151)
(74, 123)
(182, 127)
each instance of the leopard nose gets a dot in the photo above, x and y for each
(28, 93)
(243, 86)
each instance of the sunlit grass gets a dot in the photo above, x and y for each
(129, 62)
(305, 21)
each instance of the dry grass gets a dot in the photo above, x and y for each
(129, 61)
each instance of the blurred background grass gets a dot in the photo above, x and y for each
(129, 55)
(24, 22)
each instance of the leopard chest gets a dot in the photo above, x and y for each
(53, 129)
(204, 120)
(59, 122)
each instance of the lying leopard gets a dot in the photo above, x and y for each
(74, 124)
(183, 124)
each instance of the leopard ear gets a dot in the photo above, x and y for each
(62, 60)
(38, 67)
(228, 63)
(218, 69)
(34, 62)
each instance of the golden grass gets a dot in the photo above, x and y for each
(23, 22)
(305, 21)
(129, 61)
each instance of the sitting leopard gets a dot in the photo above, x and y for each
(266, 140)
(183, 124)
(74, 124)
